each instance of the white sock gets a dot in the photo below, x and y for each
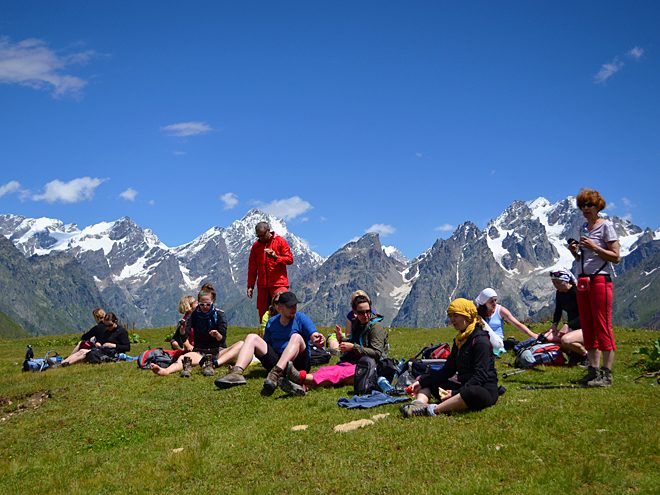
(431, 410)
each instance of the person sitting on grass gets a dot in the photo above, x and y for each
(471, 357)
(89, 338)
(569, 337)
(333, 342)
(285, 339)
(272, 311)
(210, 327)
(181, 341)
(113, 337)
(368, 341)
(494, 314)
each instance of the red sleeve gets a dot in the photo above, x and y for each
(252, 269)
(284, 252)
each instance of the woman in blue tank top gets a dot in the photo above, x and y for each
(494, 314)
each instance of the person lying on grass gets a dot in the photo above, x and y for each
(471, 357)
(285, 339)
(210, 328)
(368, 341)
(113, 337)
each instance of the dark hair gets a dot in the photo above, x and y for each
(272, 309)
(110, 317)
(482, 310)
(262, 227)
(206, 290)
(360, 300)
(589, 196)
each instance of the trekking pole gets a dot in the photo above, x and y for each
(514, 372)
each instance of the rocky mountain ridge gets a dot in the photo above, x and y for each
(142, 279)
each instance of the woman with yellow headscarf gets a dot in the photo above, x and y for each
(471, 357)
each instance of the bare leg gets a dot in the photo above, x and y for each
(453, 404)
(296, 346)
(253, 345)
(573, 342)
(594, 358)
(229, 354)
(195, 357)
(76, 357)
(608, 359)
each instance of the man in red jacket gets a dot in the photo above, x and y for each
(268, 259)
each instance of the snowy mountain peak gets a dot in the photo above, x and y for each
(396, 255)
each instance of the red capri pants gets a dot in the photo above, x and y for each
(595, 307)
(265, 296)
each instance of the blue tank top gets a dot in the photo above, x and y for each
(496, 322)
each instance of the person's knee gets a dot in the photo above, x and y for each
(297, 340)
(252, 340)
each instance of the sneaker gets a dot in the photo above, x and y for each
(291, 388)
(292, 373)
(233, 378)
(270, 383)
(604, 379)
(591, 374)
(207, 367)
(187, 367)
(410, 410)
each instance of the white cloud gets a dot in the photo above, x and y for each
(69, 192)
(230, 200)
(10, 187)
(627, 203)
(607, 71)
(627, 216)
(184, 129)
(287, 209)
(179, 152)
(418, 155)
(152, 202)
(354, 239)
(610, 206)
(381, 229)
(636, 53)
(445, 228)
(31, 63)
(129, 194)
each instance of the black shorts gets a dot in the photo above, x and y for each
(213, 352)
(270, 359)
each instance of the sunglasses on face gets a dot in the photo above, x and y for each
(556, 274)
(206, 304)
(588, 205)
(364, 313)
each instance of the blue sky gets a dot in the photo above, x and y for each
(408, 118)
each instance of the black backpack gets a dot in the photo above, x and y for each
(101, 355)
(319, 355)
(365, 376)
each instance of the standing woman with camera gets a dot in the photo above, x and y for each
(599, 245)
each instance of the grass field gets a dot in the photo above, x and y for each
(115, 429)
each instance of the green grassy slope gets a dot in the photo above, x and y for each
(115, 429)
(9, 329)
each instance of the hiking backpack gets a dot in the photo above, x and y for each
(435, 351)
(161, 357)
(318, 355)
(532, 352)
(365, 376)
(39, 364)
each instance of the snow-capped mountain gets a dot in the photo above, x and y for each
(141, 277)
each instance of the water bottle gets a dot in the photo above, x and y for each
(584, 232)
(384, 385)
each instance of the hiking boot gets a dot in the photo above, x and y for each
(233, 378)
(270, 383)
(187, 367)
(604, 379)
(292, 373)
(291, 388)
(591, 374)
(207, 367)
(410, 410)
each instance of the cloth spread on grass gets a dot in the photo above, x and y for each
(373, 399)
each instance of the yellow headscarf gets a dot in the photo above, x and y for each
(465, 308)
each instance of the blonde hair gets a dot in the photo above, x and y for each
(98, 314)
(359, 293)
(185, 304)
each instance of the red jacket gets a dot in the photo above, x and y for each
(272, 273)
